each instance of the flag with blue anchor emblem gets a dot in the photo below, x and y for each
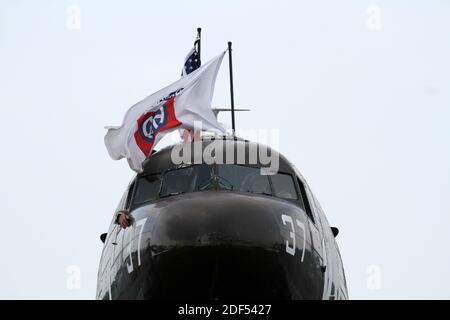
(177, 106)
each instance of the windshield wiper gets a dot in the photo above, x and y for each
(220, 181)
(206, 185)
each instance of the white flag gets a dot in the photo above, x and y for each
(176, 106)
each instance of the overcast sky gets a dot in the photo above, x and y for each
(358, 89)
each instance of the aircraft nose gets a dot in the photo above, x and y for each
(217, 219)
(220, 245)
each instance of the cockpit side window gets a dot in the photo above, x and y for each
(283, 186)
(129, 195)
(305, 200)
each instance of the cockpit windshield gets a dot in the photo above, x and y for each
(203, 177)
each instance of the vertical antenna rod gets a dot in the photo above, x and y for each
(231, 87)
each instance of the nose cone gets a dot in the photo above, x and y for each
(217, 218)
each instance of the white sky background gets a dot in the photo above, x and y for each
(363, 110)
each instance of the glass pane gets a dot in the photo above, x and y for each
(241, 178)
(147, 188)
(129, 193)
(187, 179)
(283, 186)
(202, 177)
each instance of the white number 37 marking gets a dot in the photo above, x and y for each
(301, 225)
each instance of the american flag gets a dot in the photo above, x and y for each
(192, 61)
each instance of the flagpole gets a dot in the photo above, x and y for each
(230, 60)
(199, 34)
(195, 135)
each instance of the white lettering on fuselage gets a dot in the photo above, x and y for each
(291, 249)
